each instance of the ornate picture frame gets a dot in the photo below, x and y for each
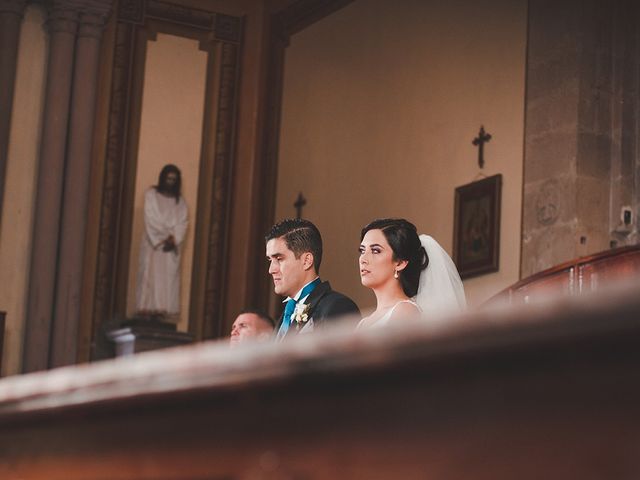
(476, 232)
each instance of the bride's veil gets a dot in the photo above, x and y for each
(440, 289)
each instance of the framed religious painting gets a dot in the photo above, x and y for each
(476, 231)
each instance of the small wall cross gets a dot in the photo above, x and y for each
(299, 203)
(479, 142)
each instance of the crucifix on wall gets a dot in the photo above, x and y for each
(299, 203)
(482, 138)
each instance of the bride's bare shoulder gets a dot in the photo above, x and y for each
(405, 309)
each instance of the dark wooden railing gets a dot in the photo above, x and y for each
(576, 277)
(535, 391)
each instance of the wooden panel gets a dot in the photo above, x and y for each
(582, 275)
(560, 283)
(601, 272)
(534, 392)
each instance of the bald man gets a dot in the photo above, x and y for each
(251, 325)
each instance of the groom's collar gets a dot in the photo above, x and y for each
(296, 297)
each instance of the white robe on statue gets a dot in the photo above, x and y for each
(158, 286)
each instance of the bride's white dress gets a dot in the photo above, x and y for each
(383, 321)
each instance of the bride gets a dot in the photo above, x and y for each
(409, 274)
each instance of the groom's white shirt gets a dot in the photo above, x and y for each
(296, 297)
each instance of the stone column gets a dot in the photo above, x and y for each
(62, 24)
(11, 12)
(570, 135)
(625, 191)
(76, 190)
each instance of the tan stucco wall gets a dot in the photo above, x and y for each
(170, 132)
(19, 195)
(381, 102)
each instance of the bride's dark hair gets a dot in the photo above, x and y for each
(403, 239)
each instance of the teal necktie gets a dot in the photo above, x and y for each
(286, 317)
(291, 306)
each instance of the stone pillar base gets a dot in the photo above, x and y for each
(142, 333)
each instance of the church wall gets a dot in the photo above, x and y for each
(17, 218)
(381, 102)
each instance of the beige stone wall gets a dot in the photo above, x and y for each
(19, 195)
(381, 102)
(581, 162)
(170, 132)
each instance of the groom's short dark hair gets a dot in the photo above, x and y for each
(300, 236)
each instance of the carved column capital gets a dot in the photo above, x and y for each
(93, 17)
(92, 25)
(84, 17)
(13, 6)
(62, 19)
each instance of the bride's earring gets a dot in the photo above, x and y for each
(395, 274)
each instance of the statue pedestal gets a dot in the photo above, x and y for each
(140, 334)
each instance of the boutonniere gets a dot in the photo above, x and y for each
(300, 314)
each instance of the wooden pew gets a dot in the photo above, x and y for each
(539, 391)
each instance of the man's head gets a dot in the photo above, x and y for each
(170, 181)
(294, 251)
(251, 325)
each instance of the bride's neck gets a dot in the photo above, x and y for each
(388, 296)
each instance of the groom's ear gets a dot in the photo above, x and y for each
(307, 260)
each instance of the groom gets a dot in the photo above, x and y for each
(294, 251)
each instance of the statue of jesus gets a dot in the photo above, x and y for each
(165, 226)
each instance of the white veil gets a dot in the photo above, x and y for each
(440, 289)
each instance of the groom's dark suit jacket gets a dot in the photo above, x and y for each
(326, 304)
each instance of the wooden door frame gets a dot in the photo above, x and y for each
(284, 23)
(221, 37)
